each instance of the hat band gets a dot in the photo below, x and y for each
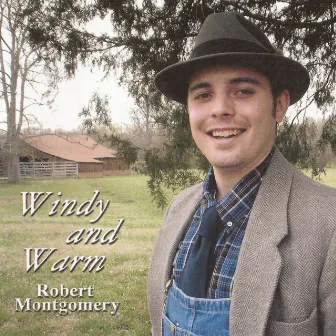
(220, 46)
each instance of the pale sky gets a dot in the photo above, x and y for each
(74, 94)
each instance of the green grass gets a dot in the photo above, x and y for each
(330, 177)
(124, 277)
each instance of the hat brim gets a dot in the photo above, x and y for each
(284, 72)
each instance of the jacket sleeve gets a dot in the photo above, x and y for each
(327, 293)
(175, 221)
(155, 295)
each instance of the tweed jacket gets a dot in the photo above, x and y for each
(285, 281)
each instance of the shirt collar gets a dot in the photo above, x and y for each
(236, 204)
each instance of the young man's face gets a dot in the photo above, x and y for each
(233, 116)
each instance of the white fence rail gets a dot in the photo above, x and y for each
(49, 169)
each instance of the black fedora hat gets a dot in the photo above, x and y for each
(229, 38)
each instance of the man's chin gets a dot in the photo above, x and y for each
(229, 163)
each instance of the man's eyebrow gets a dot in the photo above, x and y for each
(236, 80)
(250, 80)
(200, 85)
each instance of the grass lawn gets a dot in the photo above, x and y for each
(127, 260)
(330, 177)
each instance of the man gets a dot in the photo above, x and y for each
(252, 250)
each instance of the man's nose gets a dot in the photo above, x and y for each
(222, 107)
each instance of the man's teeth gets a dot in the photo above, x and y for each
(226, 134)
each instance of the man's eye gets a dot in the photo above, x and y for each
(245, 92)
(203, 95)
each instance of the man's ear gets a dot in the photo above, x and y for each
(282, 103)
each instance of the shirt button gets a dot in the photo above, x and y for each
(229, 223)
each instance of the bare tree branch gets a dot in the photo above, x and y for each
(21, 71)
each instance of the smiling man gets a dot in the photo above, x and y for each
(252, 250)
(233, 116)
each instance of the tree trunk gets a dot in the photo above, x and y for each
(13, 160)
(13, 170)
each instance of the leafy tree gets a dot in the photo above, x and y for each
(150, 35)
(329, 132)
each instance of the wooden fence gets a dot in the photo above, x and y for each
(49, 169)
(2, 170)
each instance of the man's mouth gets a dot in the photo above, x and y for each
(226, 133)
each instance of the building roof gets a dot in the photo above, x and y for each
(79, 148)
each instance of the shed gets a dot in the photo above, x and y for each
(93, 159)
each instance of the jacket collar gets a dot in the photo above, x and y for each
(259, 263)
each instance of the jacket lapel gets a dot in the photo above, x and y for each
(178, 224)
(175, 223)
(259, 261)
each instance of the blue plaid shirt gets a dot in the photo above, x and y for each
(234, 210)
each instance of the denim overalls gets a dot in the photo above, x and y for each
(187, 316)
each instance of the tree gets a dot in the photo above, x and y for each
(150, 35)
(145, 133)
(23, 68)
(143, 120)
